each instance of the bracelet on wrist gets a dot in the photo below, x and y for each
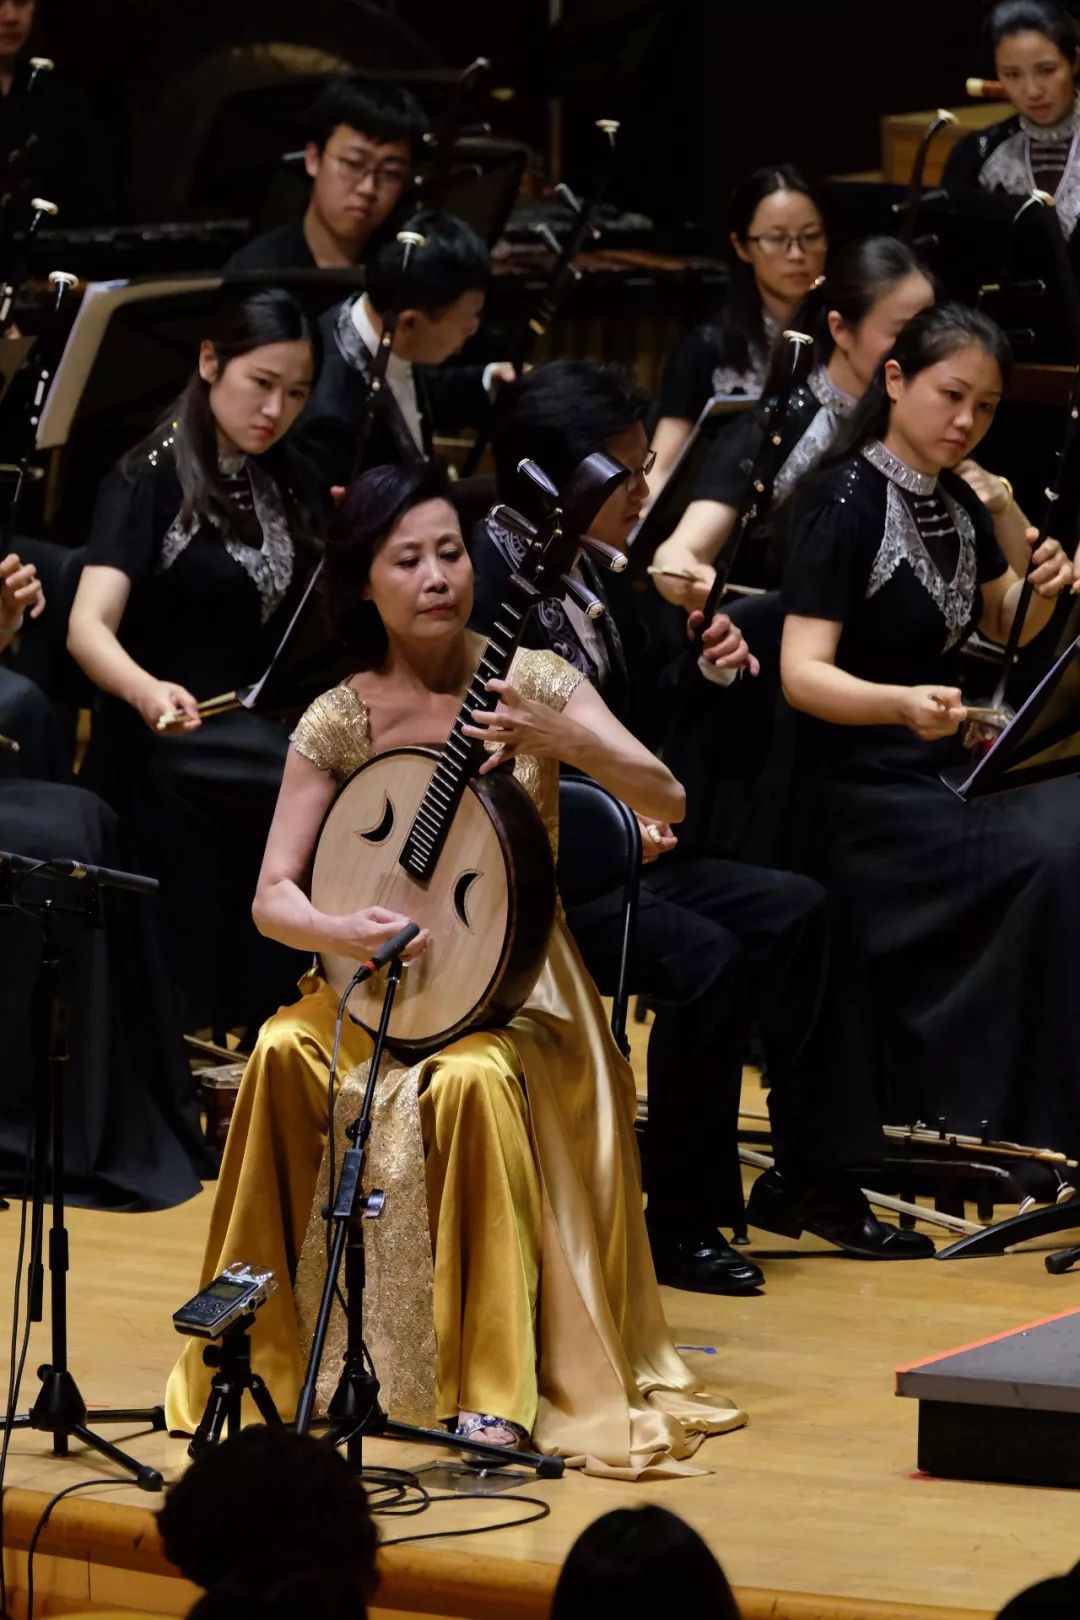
(1009, 497)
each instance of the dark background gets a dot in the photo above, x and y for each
(705, 88)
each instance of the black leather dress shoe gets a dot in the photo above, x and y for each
(704, 1264)
(835, 1210)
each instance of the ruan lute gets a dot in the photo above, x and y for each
(465, 856)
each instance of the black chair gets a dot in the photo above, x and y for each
(599, 851)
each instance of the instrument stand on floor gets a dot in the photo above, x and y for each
(60, 1409)
(354, 1410)
(234, 1376)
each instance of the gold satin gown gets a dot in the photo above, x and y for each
(510, 1272)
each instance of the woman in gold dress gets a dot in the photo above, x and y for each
(510, 1289)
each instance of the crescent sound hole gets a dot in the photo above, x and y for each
(376, 835)
(461, 893)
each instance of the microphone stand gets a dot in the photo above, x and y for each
(60, 1409)
(354, 1409)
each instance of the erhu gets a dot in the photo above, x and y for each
(18, 470)
(15, 182)
(409, 241)
(985, 725)
(912, 203)
(564, 272)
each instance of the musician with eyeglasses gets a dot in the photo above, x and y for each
(362, 141)
(720, 943)
(778, 244)
(509, 1283)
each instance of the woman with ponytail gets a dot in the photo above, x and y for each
(200, 549)
(959, 923)
(873, 287)
(778, 244)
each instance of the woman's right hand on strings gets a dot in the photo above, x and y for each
(360, 933)
(156, 699)
(932, 711)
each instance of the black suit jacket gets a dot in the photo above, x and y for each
(326, 437)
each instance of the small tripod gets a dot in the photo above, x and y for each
(354, 1410)
(60, 1409)
(234, 1375)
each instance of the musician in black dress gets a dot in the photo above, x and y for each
(361, 142)
(719, 943)
(1036, 46)
(439, 299)
(872, 288)
(51, 144)
(132, 1125)
(200, 548)
(778, 245)
(959, 923)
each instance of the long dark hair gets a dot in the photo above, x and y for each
(238, 325)
(629, 1561)
(929, 337)
(373, 504)
(859, 274)
(739, 328)
(1034, 17)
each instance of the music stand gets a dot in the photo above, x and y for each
(1041, 743)
(60, 1409)
(664, 514)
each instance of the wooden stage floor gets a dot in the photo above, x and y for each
(815, 1509)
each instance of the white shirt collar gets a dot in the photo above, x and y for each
(399, 372)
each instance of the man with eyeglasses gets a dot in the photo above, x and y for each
(361, 145)
(720, 944)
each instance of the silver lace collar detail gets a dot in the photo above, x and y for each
(230, 462)
(897, 471)
(1064, 130)
(901, 542)
(826, 392)
(1008, 168)
(270, 566)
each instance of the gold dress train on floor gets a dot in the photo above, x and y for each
(510, 1272)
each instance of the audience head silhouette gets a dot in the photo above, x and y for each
(632, 1561)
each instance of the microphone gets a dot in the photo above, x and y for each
(106, 876)
(385, 953)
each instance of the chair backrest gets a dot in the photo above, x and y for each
(599, 841)
(600, 852)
